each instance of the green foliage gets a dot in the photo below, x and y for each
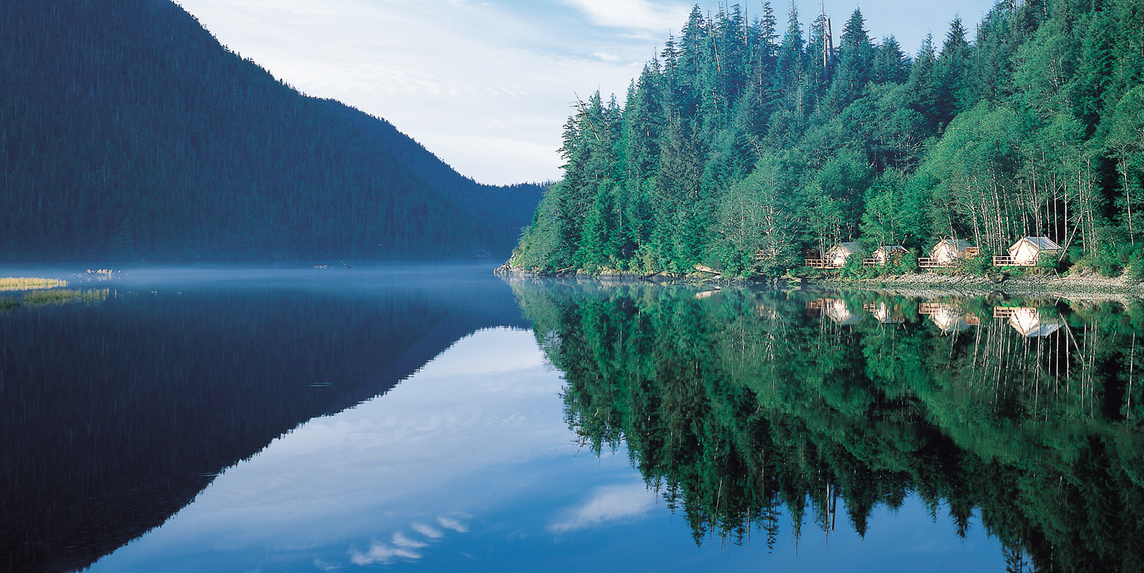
(1135, 271)
(853, 268)
(1033, 129)
(905, 264)
(981, 265)
(1111, 256)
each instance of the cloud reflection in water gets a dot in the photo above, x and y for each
(390, 479)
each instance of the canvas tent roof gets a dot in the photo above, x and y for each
(957, 244)
(852, 248)
(1042, 243)
(891, 249)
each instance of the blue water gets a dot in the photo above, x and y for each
(419, 428)
(469, 466)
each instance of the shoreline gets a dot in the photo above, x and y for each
(1088, 285)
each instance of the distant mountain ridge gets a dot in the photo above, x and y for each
(128, 131)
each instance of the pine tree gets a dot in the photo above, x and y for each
(855, 65)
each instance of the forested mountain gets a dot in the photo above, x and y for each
(743, 144)
(127, 131)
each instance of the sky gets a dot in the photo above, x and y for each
(488, 85)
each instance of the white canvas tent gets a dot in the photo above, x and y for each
(837, 255)
(947, 251)
(1027, 251)
(885, 254)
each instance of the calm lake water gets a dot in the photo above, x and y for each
(437, 418)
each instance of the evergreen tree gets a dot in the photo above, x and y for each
(952, 90)
(856, 63)
(890, 64)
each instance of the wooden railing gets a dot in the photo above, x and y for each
(971, 252)
(928, 263)
(765, 254)
(821, 264)
(872, 262)
(1004, 311)
(928, 308)
(1007, 261)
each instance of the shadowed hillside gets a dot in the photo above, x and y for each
(127, 131)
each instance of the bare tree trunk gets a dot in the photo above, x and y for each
(1128, 203)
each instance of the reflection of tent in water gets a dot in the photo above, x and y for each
(706, 294)
(833, 308)
(1028, 321)
(948, 317)
(883, 313)
(837, 311)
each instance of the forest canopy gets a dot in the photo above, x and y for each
(743, 145)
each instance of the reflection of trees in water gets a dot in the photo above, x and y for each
(742, 406)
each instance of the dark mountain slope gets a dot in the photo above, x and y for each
(127, 131)
(509, 206)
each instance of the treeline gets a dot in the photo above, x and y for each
(750, 414)
(742, 145)
(127, 131)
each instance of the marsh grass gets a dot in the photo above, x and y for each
(62, 297)
(29, 283)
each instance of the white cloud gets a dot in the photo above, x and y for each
(324, 566)
(637, 14)
(382, 553)
(427, 530)
(405, 542)
(449, 523)
(607, 505)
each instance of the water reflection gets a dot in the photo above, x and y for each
(468, 466)
(745, 406)
(116, 413)
(815, 430)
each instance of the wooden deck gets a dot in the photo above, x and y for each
(933, 263)
(1006, 311)
(928, 308)
(820, 264)
(1007, 261)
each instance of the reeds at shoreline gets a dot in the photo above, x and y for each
(29, 283)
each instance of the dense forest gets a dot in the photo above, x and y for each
(753, 412)
(744, 145)
(127, 131)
